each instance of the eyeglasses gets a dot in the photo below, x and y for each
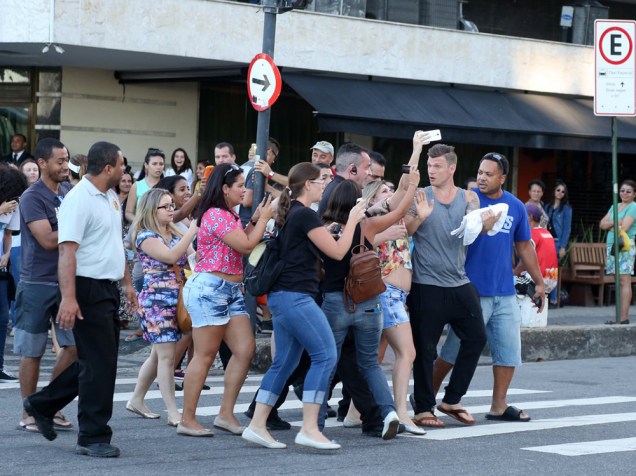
(152, 150)
(625, 190)
(171, 207)
(559, 191)
(233, 167)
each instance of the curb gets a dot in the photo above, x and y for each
(537, 344)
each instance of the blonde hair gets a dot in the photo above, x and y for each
(370, 190)
(146, 216)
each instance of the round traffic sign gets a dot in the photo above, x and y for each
(612, 48)
(263, 82)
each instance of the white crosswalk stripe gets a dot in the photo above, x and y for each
(588, 447)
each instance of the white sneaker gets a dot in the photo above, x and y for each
(391, 425)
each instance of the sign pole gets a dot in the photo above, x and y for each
(617, 283)
(262, 128)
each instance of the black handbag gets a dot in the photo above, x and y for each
(5, 275)
(551, 228)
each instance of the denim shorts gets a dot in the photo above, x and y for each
(502, 318)
(213, 301)
(393, 306)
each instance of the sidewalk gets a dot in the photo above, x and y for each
(573, 332)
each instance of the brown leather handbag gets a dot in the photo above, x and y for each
(184, 321)
(364, 280)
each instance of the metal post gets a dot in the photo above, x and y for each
(262, 128)
(617, 283)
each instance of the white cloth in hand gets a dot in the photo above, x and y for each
(472, 224)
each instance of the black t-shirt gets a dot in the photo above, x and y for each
(301, 273)
(336, 271)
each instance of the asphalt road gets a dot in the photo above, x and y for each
(571, 403)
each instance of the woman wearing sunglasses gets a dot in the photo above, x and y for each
(626, 222)
(559, 214)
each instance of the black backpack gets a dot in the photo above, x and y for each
(263, 267)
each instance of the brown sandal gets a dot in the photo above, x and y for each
(429, 421)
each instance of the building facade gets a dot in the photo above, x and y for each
(492, 75)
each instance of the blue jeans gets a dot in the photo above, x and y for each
(4, 317)
(502, 318)
(15, 272)
(366, 323)
(298, 324)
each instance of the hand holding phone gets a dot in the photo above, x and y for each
(208, 171)
(433, 136)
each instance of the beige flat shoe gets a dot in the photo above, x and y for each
(150, 415)
(203, 432)
(227, 426)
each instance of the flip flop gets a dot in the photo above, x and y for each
(429, 421)
(457, 415)
(61, 423)
(511, 414)
(30, 427)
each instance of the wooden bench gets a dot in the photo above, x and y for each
(587, 270)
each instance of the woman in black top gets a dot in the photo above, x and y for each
(366, 320)
(298, 321)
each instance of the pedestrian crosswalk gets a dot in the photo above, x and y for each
(577, 412)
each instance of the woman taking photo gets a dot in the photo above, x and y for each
(395, 259)
(559, 214)
(366, 319)
(626, 222)
(214, 296)
(161, 248)
(299, 323)
(180, 165)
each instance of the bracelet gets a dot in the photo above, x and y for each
(252, 222)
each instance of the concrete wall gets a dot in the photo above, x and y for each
(232, 32)
(96, 107)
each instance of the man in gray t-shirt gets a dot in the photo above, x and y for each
(38, 294)
(441, 293)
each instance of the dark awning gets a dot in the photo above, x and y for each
(396, 110)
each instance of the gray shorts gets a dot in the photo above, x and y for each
(35, 308)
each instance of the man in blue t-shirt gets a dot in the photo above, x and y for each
(489, 267)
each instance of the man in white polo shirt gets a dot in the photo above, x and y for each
(91, 262)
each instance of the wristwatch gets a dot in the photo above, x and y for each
(270, 174)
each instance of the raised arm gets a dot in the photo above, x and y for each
(328, 245)
(157, 249)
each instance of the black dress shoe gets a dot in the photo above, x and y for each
(98, 450)
(331, 413)
(249, 413)
(375, 432)
(44, 423)
(274, 422)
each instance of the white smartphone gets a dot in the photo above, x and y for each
(433, 135)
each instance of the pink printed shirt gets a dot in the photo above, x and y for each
(214, 254)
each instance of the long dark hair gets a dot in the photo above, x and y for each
(564, 200)
(298, 175)
(169, 183)
(342, 200)
(13, 183)
(152, 152)
(213, 197)
(187, 165)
